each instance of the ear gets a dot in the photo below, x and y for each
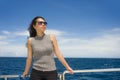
(34, 26)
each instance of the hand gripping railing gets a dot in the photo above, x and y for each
(62, 77)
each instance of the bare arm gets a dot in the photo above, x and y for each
(59, 55)
(29, 58)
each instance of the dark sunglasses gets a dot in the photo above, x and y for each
(40, 23)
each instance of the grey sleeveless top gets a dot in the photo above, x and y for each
(43, 53)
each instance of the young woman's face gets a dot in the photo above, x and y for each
(40, 25)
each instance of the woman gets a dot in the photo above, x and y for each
(41, 48)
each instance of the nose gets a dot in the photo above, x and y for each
(43, 24)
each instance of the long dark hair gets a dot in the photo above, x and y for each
(31, 29)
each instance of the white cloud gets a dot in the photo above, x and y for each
(3, 43)
(56, 32)
(15, 33)
(6, 32)
(2, 37)
(105, 45)
(21, 33)
(13, 51)
(116, 30)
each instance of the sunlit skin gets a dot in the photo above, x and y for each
(40, 31)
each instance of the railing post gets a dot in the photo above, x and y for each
(5, 78)
(63, 75)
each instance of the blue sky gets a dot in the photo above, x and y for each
(84, 28)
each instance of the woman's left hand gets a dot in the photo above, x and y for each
(70, 70)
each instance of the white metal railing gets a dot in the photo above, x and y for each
(8, 76)
(5, 77)
(92, 70)
(62, 76)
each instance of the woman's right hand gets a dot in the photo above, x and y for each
(70, 70)
(24, 74)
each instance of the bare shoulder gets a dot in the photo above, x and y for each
(52, 37)
(29, 40)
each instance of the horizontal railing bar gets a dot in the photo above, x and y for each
(9, 76)
(12, 76)
(95, 70)
(92, 70)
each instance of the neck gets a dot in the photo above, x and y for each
(40, 34)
